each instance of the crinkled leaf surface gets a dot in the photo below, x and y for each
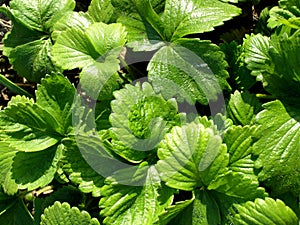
(278, 145)
(243, 107)
(191, 69)
(265, 211)
(265, 58)
(135, 205)
(63, 214)
(140, 118)
(77, 48)
(191, 156)
(41, 15)
(287, 13)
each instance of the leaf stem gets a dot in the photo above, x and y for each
(13, 87)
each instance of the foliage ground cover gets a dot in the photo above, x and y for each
(151, 112)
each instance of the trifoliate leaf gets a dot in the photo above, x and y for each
(76, 48)
(243, 107)
(265, 211)
(287, 13)
(191, 156)
(13, 211)
(80, 172)
(140, 118)
(27, 126)
(63, 214)
(100, 10)
(278, 145)
(41, 15)
(57, 103)
(135, 205)
(44, 172)
(190, 16)
(193, 70)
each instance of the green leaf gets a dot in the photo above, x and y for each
(191, 156)
(190, 69)
(43, 174)
(266, 57)
(100, 10)
(63, 214)
(184, 17)
(80, 172)
(78, 20)
(76, 48)
(172, 211)
(7, 155)
(57, 103)
(278, 145)
(239, 185)
(135, 205)
(67, 194)
(140, 118)
(287, 13)
(41, 15)
(13, 211)
(27, 126)
(239, 141)
(265, 211)
(243, 107)
(38, 60)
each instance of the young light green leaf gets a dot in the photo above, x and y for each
(264, 211)
(193, 70)
(57, 103)
(41, 15)
(140, 118)
(184, 17)
(243, 107)
(191, 156)
(100, 10)
(278, 145)
(76, 48)
(63, 214)
(27, 126)
(135, 205)
(43, 174)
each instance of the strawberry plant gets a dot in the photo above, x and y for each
(159, 124)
